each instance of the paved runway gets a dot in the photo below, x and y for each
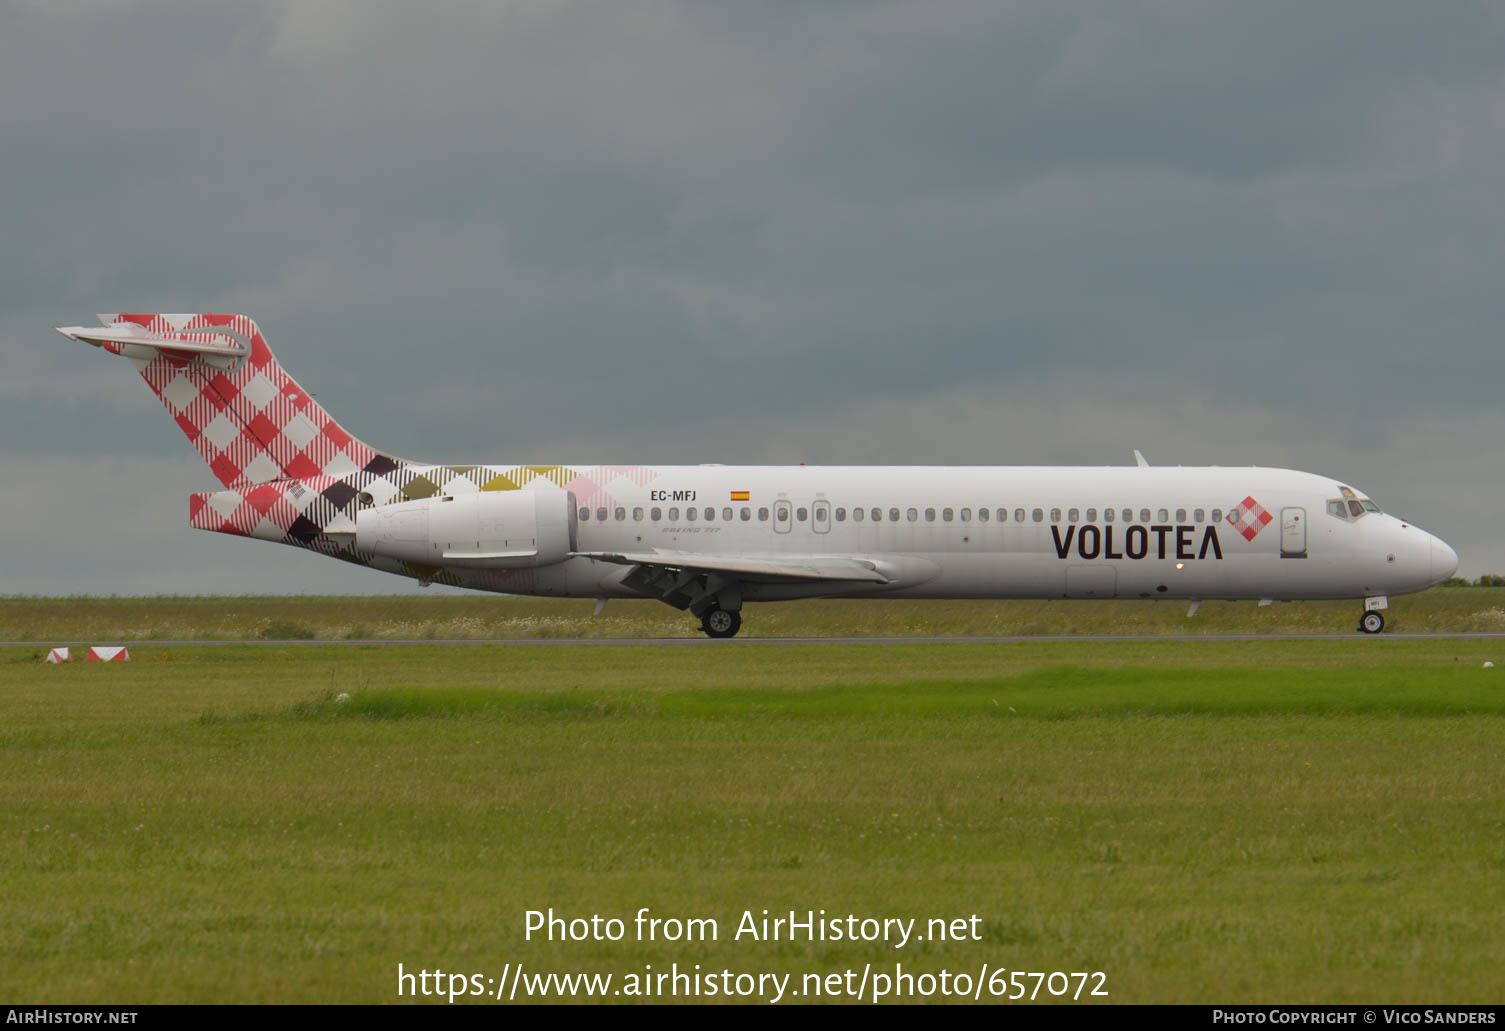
(676, 642)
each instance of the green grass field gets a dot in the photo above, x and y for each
(1274, 821)
(61, 620)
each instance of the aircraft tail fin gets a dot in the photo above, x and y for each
(248, 418)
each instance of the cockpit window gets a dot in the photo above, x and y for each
(1357, 504)
(1351, 505)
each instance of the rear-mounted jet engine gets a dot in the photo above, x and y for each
(513, 529)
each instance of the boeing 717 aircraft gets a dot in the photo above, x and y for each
(707, 538)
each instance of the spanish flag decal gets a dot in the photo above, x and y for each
(740, 495)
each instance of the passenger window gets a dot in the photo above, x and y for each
(746, 515)
(893, 515)
(1038, 516)
(1199, 516)
(912, 514)
(710, 513)
(966, 515)
(1144, 515)
(656, 514)
(930, 515)
(1217, 515)
(1018, 515)
(1003, 515)
(1074, 514)
(1180, 515)
(600, 515)
(1107, 515)
(637, 515)
(585, 515)
(800, 514)
(781, 514)
(877, 515)
(690, 514)
(1055, 515)
(1163, 514)
(982, 515)
(1128, 515)
(726, 514)
(857, 515)
(841, 515)
(1092, 515)
(621, 514)
(947, 515)
(673, 515)
(762, 515)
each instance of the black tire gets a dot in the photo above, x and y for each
(1372, 622)
(718, 622)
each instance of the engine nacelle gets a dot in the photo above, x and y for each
(492, 529)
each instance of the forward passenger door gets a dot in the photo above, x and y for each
(1293, 533)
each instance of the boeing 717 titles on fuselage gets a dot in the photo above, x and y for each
(708, 538)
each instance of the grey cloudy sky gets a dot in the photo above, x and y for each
(959, 232)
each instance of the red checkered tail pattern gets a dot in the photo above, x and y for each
(247, 417)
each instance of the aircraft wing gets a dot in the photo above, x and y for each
(753, 568)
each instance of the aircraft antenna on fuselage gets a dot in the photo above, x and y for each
(1140, 460)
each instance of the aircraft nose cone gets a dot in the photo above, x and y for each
(1444, 561)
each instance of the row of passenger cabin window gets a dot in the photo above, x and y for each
(692, 514)
(1037, 515)
(912, 515)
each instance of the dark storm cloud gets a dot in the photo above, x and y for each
(729, 231)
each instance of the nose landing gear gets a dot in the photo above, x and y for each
(1372, 622)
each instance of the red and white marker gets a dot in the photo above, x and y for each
(101, 653)
(60, 655)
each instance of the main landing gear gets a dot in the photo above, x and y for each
(718, 622)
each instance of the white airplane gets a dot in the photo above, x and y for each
(708, 538)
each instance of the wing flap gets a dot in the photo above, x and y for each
(752, 567)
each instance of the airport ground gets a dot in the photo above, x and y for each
(477, 616)
(1260, 821)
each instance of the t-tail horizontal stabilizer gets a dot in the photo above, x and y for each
(204, 343)
(232, 399)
